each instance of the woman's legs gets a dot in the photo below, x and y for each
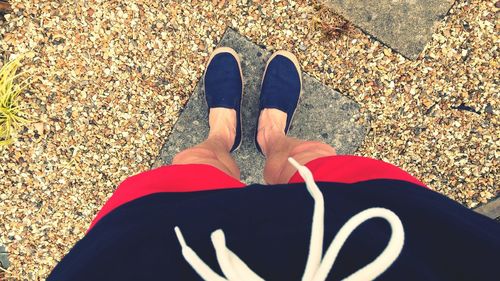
(215, 150)
(277, 147)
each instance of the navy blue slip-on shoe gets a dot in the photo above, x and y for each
(224, 85)
(281, 87)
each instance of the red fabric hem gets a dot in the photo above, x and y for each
(200, 177)
(352, 169)
(172, 178)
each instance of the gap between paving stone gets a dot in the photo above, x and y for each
(323, 114)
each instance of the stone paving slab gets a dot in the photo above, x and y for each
(404, 25)
(490, 209)
(323, 114)
(4, 259)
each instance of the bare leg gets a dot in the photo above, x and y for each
(215, 149)
(277, 147)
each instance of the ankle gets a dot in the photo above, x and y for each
(271, 129)
(222, 122)
(224, 138)
(270, 137)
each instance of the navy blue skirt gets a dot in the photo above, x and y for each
(269, 228)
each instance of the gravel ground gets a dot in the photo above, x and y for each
(110, 78)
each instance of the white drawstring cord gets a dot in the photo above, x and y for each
(232, 266)
(196, 263)
(316, 241)
(317, 269)
(382, 262)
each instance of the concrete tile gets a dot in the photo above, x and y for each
(404, 25)
(491, 209)
(4, 259)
